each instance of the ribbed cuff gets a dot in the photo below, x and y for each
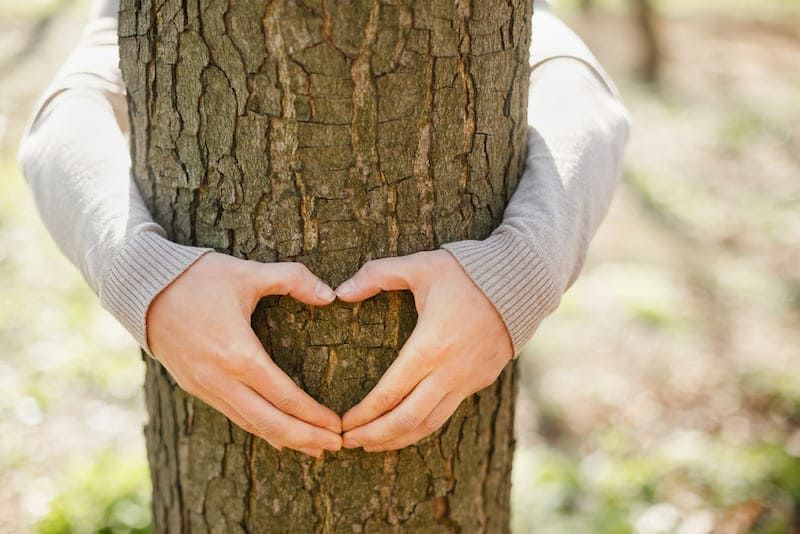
(514, 278)
(146, 265)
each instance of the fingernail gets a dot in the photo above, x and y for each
(350, 443)
(334, 429)
(316, 453)
(346, 288)
(333, 447)
(324, 292)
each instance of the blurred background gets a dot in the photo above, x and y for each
(663, 396)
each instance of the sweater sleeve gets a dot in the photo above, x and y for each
(577, 131)
(76, 160)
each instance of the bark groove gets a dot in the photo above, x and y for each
(331, 133)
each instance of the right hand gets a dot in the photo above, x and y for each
(198, 327)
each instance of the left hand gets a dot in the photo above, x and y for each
(459, 346)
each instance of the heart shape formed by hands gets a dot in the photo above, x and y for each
(459, 345)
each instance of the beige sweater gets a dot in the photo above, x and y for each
(76, 159)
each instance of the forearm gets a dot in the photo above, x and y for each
(76, 160)
(576, 140)
(577, 133)
(76, 164)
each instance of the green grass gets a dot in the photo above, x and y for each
(110, 494)
(59, 347)
(611, 491)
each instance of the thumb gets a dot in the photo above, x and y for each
(385, 274)
(290, 278)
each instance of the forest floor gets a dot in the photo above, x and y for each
(676, 407)
(663, 396)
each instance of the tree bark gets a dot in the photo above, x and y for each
(331, 133)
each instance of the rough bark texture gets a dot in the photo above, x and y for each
(329, 133)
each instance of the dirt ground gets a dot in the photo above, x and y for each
(663, 396)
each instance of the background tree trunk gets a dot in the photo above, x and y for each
(331, 133)
(647, 18)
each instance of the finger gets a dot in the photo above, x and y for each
(289, 278)
(433, 422)
(385, 274)
(278, 427)
(407, 370)
(269, 380)
(231, 413)
(402, 420)
(221, 405)
(237, 419)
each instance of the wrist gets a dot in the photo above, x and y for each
(146, 265)
(514, 278)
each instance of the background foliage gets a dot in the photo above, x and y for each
(663, 396)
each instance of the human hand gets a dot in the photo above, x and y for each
(199, 329)
(459, 346)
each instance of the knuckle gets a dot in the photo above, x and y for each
(229, 357)
(406, 422)
(234, 365)
(414, 353)
(434, 422)
(267, 426)
(291, 277)
(203, 379)
(242, 367)
(298, 271)
(437, 347)
(388, 399)
(287, 403)
(368, 270)
(422, 357)
(424, 262)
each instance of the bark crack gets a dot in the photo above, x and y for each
(363, 136)
(496, 404)
(283, 128)
(422, 168)
(464, 10)
(252, 479)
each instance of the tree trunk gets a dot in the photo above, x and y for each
(331, 133)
